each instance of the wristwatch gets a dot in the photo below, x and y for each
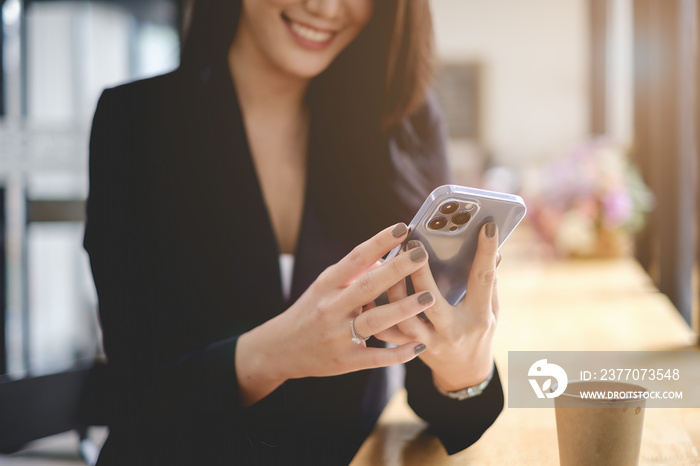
(469, 392)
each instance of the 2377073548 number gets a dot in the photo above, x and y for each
(639, 374)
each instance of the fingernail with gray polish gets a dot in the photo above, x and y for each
(399, 230)
(413, 244)
(425, 298)
(418, 255)
(419, 349)
(491, 230)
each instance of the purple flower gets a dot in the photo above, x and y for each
(617, 207)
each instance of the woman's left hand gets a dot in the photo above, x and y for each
(458, 339)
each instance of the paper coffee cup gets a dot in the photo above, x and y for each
(600, 432)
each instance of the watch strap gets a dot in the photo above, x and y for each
(469, 392)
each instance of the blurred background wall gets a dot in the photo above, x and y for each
(532, 58)
(57, 57)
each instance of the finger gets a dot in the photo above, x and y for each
(394, 336)
(369, 358)
(441, 314)
(384, 317)
(481, 277)
(368, 306)
(397, 291)
(366, 255)
(495, 304)
(417, 329)
(373, 283)
(376, 265)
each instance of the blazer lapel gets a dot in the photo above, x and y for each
(225, 199)
(317, 246)
(226, 203)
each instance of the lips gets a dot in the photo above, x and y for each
(308, 36)
(309, 33)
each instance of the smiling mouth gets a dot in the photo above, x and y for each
(308, 33)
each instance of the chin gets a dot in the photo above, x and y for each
(305, 68)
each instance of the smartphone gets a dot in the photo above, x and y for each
(448, 225)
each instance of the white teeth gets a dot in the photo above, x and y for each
(310, 34)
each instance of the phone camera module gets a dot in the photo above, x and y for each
(437, 223)
(449, 208)
(461, 218)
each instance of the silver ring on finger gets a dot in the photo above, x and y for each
(356, 338)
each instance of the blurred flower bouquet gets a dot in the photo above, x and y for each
(590, 202)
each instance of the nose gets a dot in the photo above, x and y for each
(324, 8)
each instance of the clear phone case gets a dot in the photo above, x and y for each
(448, 224)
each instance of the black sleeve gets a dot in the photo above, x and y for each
(148, 381)
(458, 424)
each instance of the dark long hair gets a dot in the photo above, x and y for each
(381, 78)
(361, 102)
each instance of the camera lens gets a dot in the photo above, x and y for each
(449, 208)
(461, 218)
(437, 223)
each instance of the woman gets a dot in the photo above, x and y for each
(293, 130)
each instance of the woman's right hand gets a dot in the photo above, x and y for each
(313, 338)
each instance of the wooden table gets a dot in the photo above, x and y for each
(557, 306)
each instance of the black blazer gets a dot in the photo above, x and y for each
(184, 260)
